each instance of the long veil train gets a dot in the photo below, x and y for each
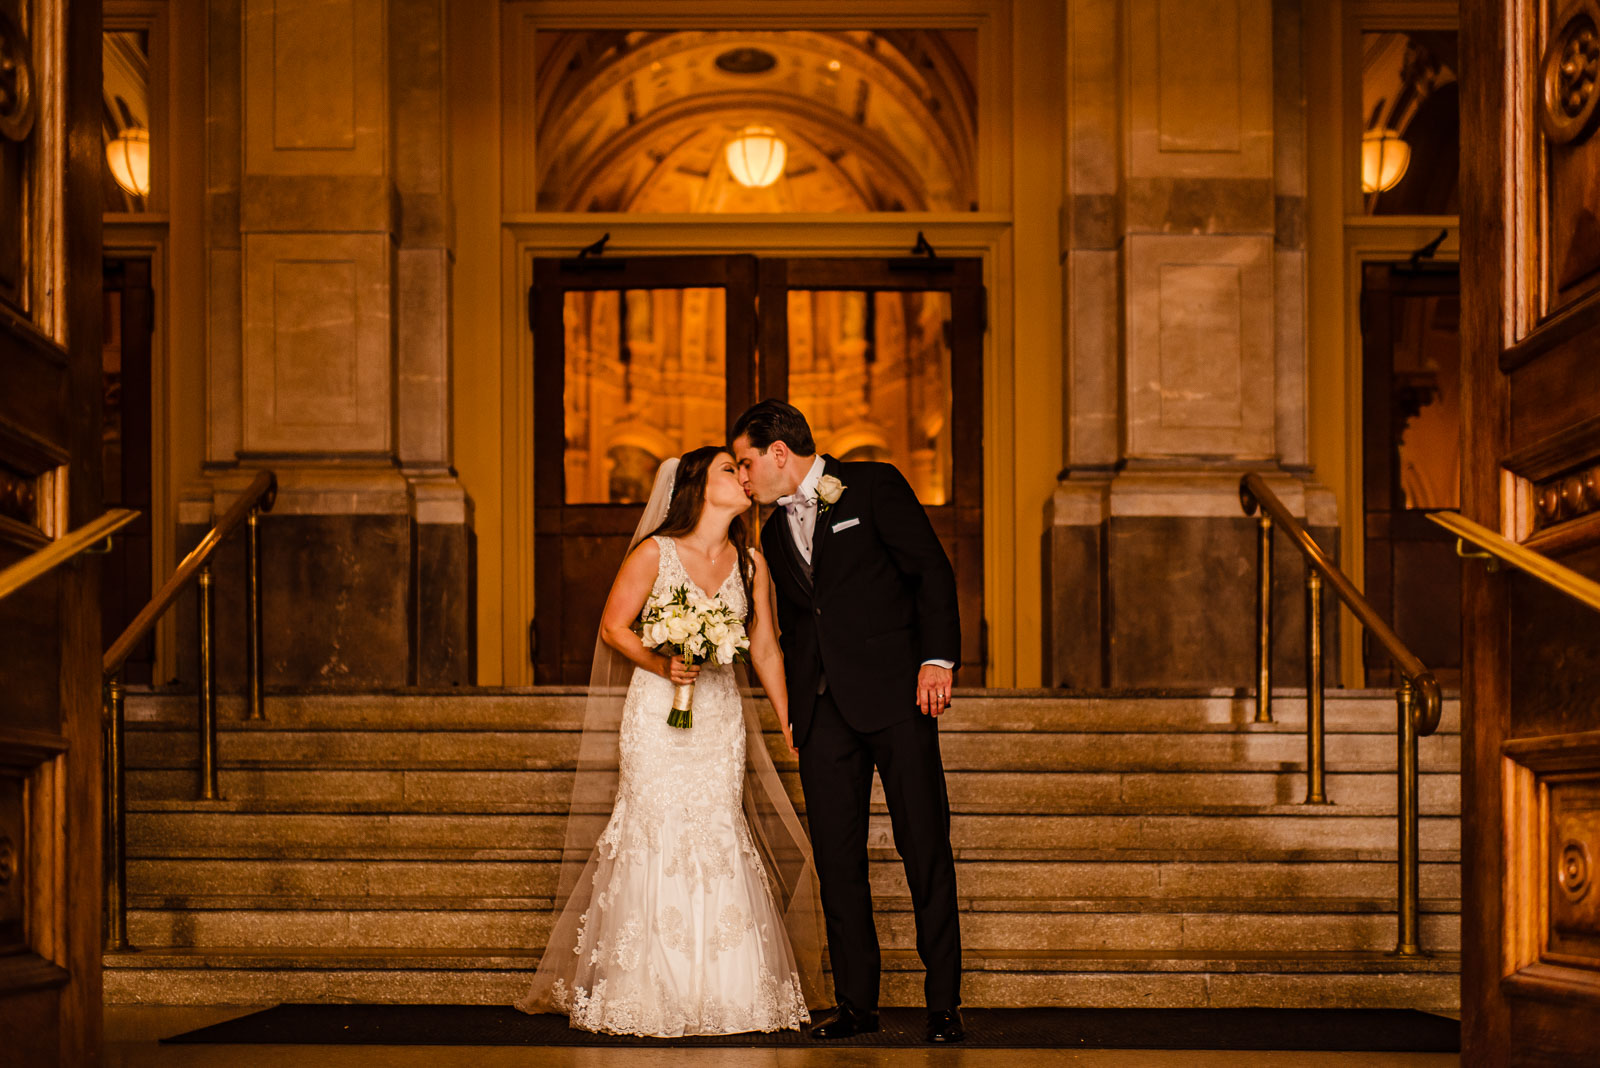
(774, 825)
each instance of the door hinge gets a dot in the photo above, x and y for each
(533, 641)
(983, 643)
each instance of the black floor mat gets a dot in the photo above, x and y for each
(1355, 1030)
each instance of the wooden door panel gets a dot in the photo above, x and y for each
(1531, 326)
(959, 519)
(580, 540)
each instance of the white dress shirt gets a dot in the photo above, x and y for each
(801, 507)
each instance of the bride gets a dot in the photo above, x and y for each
(687, 901)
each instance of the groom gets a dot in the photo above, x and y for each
(867, 606)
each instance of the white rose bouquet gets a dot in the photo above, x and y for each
(695, 629)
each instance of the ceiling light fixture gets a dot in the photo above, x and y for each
(129, 157)
(1384, 159)
(756, 157)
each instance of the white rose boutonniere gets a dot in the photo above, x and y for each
(829, 490)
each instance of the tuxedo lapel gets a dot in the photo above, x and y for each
(824, 530)
(784, 535)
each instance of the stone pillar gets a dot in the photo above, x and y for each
(1186, 349)
(329, 245)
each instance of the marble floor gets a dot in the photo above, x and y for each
(133, 1033)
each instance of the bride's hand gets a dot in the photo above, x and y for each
(788, 738)
(674, 669)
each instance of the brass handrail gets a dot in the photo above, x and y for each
(261, 493)
(1418, 699)
(39, 562)
(258, 497)
(1529, 561)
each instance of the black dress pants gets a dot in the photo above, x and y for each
(836, 765)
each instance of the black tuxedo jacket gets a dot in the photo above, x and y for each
(879, 600)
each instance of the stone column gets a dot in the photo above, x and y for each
(1186, 349)
(329, 243)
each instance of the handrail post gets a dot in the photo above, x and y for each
(116, 873)
(1408, 944)
(208, 690)
(1264, 619)
(253, 651)
(1316, 775)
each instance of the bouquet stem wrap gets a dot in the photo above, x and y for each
(682, 705)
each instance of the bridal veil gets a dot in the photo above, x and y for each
(773, 823)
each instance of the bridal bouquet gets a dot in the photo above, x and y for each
(696, 629)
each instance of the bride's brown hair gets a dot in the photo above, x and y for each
(689, 500)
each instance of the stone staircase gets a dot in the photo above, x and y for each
(1112, 851)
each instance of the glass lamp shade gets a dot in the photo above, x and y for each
(1384, 159)
(129, 157)
(756, 156)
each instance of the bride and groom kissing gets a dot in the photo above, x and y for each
(688, 899)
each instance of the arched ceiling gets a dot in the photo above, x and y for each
(874, 121)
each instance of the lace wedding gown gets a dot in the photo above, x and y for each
(683, 935)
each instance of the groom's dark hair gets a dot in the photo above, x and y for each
(773, 420)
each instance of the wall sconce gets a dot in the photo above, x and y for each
(756, 156)
(1384, 159)
(129, 157)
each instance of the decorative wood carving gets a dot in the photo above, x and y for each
(1569, 73)
(17, 498)
(1568, 497)
(1572, 834)
(16, 80)
(1553, 807)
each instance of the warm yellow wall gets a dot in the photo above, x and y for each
(476, 312)
(1340, 243)
(173, 237)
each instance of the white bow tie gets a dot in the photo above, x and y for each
(796, 502)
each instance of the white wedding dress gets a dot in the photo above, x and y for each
(683, 935)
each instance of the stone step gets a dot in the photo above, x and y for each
(1257, 885)
(1238, 750)
(561, 708)
(193, 830)
(1052, 791)
(1117, 925)
(1084, 978)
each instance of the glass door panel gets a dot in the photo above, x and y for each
(871, 370)
(646, 375)
(635, 360)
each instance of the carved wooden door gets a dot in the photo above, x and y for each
(885, 357)
(1530, 254)
(50, 171)
(636, 359)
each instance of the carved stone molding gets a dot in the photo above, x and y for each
(1569, 76)
(16, 80)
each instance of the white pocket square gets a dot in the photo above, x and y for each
(846, 525)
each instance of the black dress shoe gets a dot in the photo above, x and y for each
(845, 1022)
(945, 1026)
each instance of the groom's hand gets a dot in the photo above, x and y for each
(933, 689)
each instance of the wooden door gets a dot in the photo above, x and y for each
(129, 307)
(50, 932)
(1530, 254)
(636, 359)
(1411, 446)
(885, 357)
